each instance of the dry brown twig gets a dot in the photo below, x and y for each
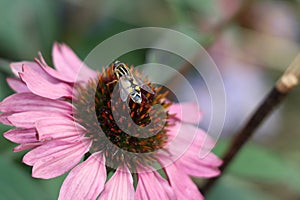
(284, 85)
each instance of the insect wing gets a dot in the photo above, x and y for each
(123, 94)
(147, 88)
(143, 85)
(123, 82)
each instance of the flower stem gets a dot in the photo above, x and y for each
(283, 86)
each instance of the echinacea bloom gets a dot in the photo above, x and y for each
(66, 119)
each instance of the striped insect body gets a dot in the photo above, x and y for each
(129, 84)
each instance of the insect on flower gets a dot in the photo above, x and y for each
(87, 128)
(129, 84)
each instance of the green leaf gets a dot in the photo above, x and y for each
(27, 26)
(260, 164)
(16, 184)
(5, 90)
(5, 145)
(52, 186)
(4, 66)
(230, 188)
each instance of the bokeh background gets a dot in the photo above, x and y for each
(252, 42)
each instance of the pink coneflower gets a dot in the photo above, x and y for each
(66, 118)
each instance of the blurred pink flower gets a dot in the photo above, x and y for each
(47, 124)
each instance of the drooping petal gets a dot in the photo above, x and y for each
(17, 85)
(186, 112)
(86, 180)
(54, 158)
(119, 187)
(67, 62)
(42, 68)
(151, 186)
(205, 167)
(21, 135)
(45, 87)
(28, 119)
(183, 136)
(54, 73)
(51, 148)
(201, 140)
(58, 128)
(185, 147)
(194, 166)
(22, 102)
(4, 120)
(17, 67)
(182, 185)
(59, 56)
(210, 159)
(27, 146)
(192, 153)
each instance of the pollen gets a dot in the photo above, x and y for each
(139, 138)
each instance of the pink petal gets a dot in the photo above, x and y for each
(58, 128)
(51, 148)
(210, 160)
(185, 147)
(195, 167)
(193, 153)
(21, 135)
(4, 120)
(202, 139)
(23, 102)
(17, 67)
(183, 136)
(44, 86)
(66, 62)
(54, 158)
(54, 73)
(152, 186)
(86, 180)
(119, 187)
(28, 119)
(41, 67)
(182, 185)
(27, 146)
(17, 85)
(186, 112)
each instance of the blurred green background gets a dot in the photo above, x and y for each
(251, 41)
